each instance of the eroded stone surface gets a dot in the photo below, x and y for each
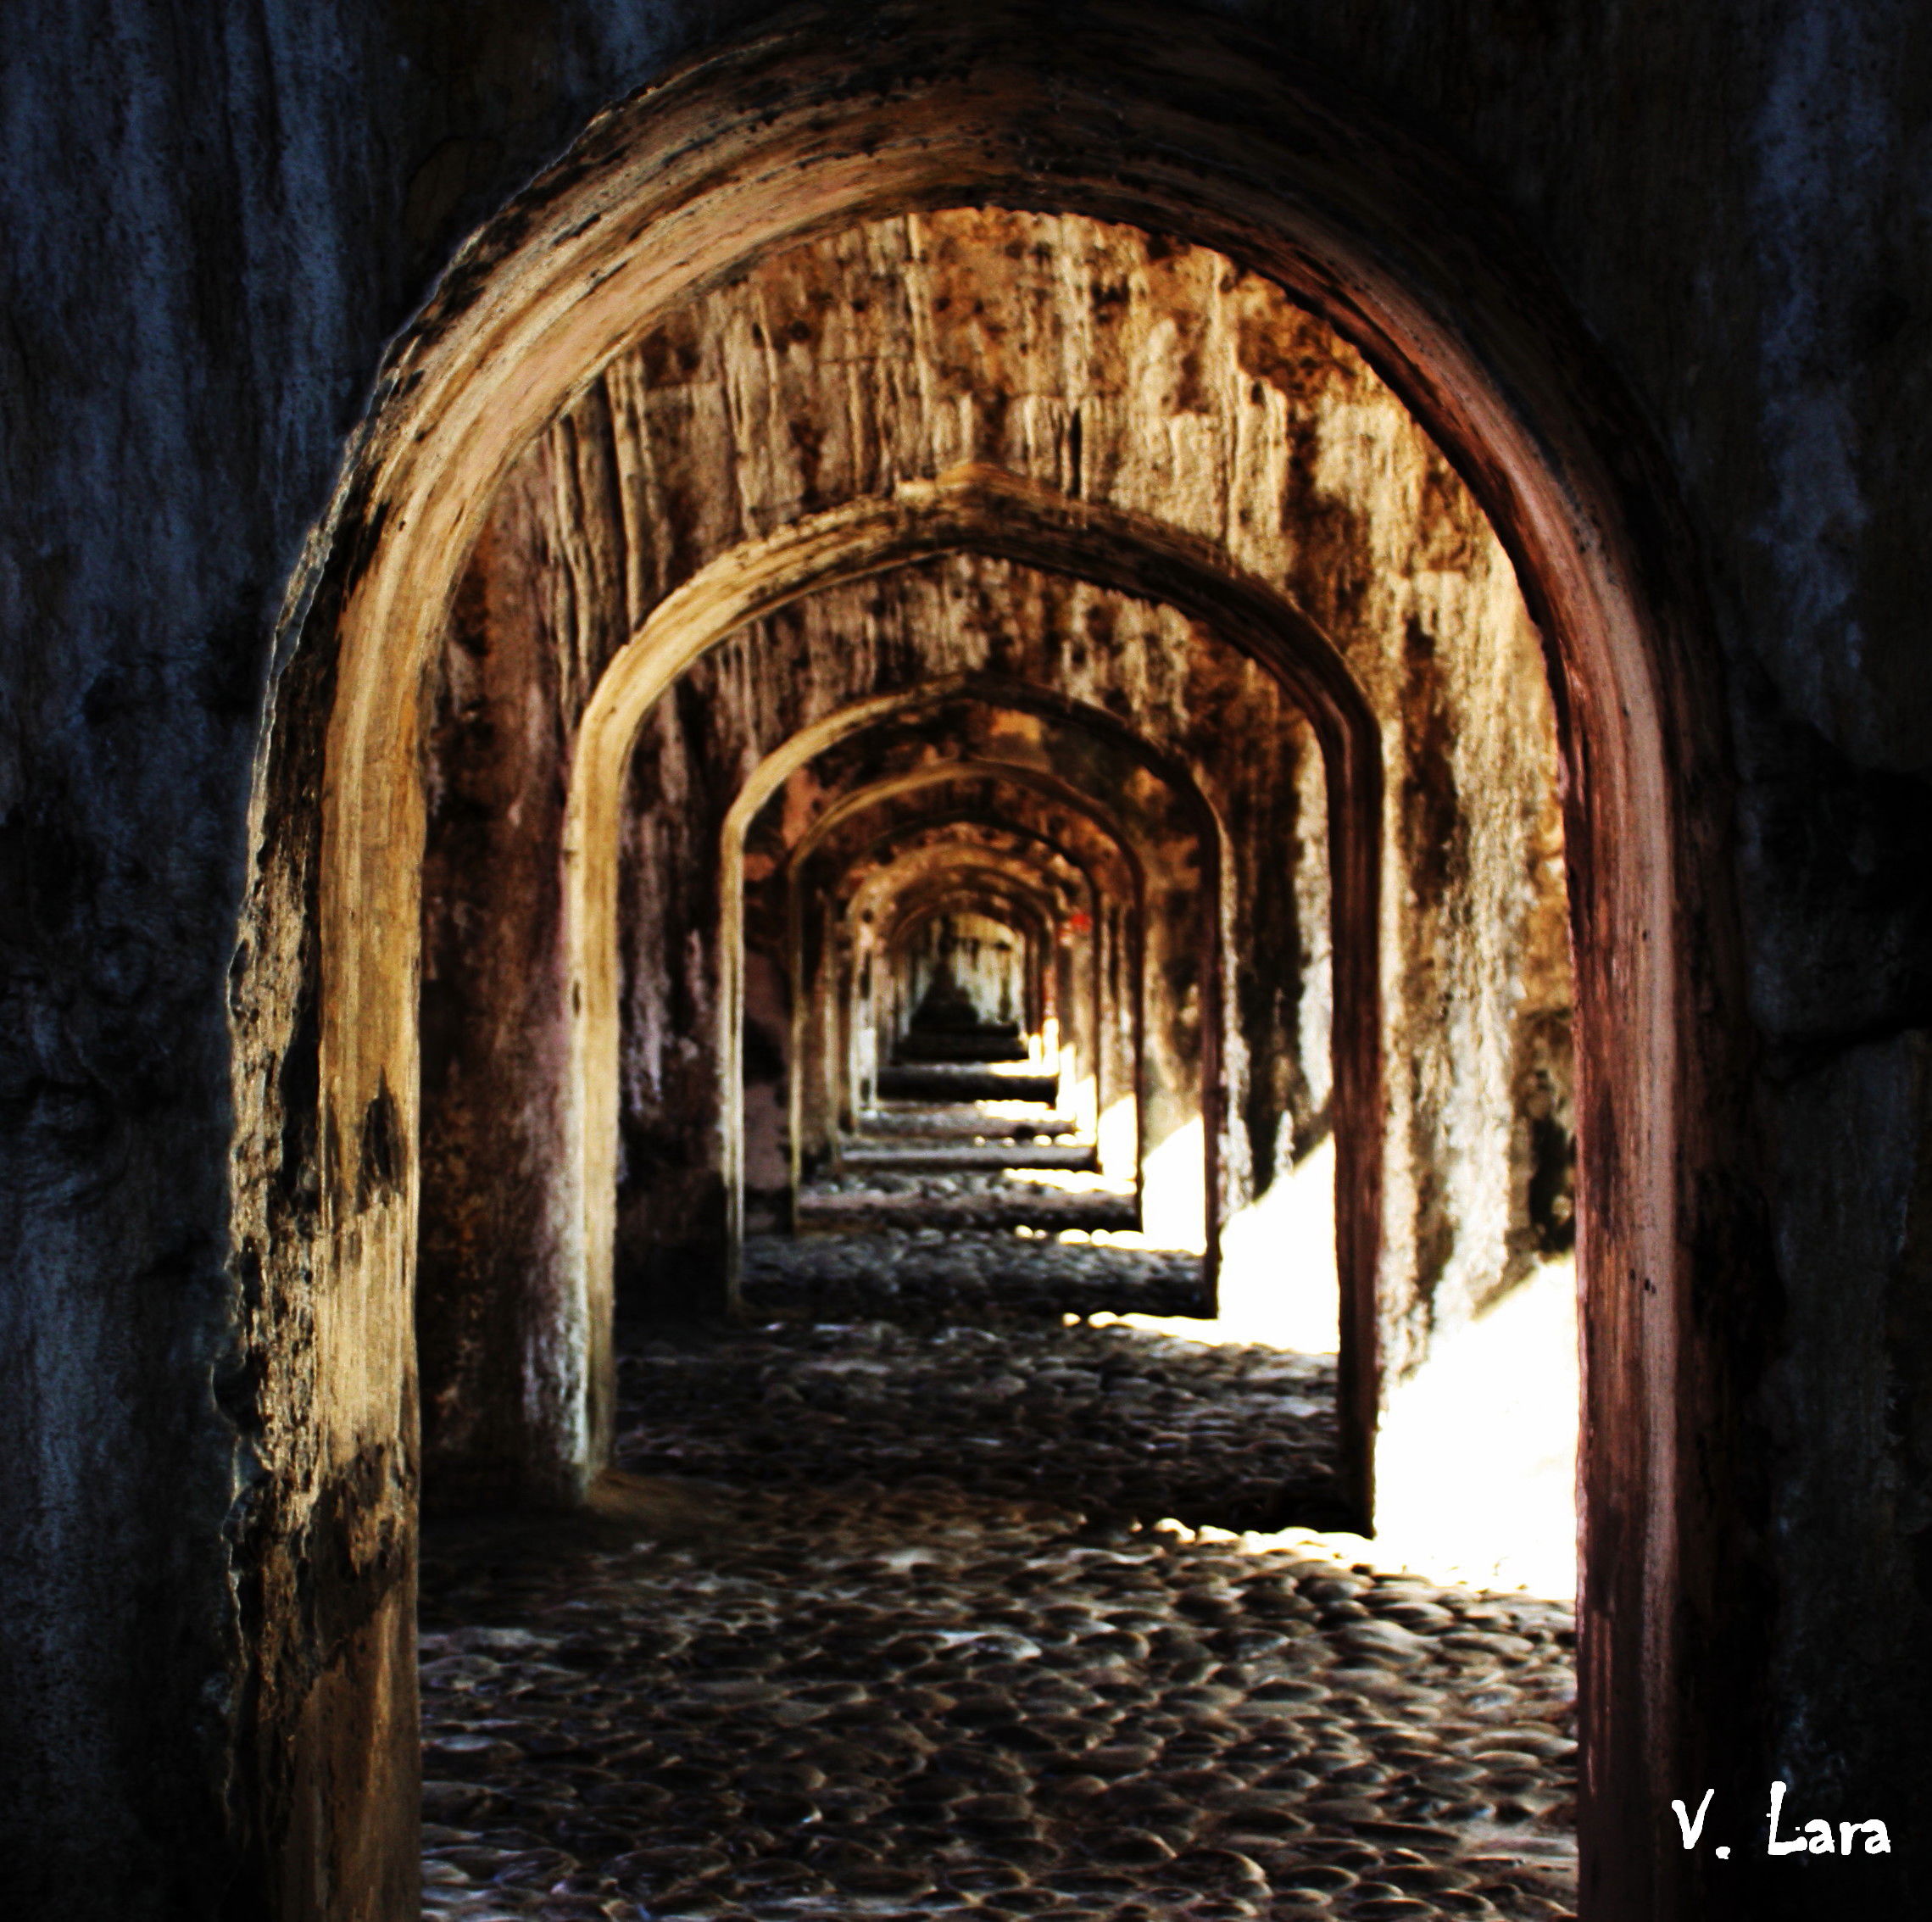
(1108, 1419)
(1002, 1199)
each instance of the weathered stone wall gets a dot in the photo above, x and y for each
(215, 221)
(494, 1057)
(1155, 378)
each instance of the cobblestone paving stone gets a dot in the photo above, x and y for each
(837, 1683)
(964, 1201)
(1110, 1420)
(928, 1278)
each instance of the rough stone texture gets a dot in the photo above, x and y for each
(1110, 1421)
(1842, 1131)
(1154, 378)
(947, 1670)
(215, 219)
(931, 1280)
(1013, 1198)
(493, 1055)
(911, 1702)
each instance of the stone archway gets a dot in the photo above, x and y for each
(918, 875)
(912, 814)
(667, 193)
(1066, 823)
(979, 510)
(1197, 828)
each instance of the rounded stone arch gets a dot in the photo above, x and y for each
(1048, 788)
(1106, 1029)
(1045, 872)
(982, 881)
(1000, 891)
(982, 885)
(993, 895)
(987, 511)
(999, 694)
(956, 827)
(962, 845)
(1187, 128)
(916, 873)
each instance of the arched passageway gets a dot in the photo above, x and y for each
(1380, 616)
(1157, 819)
(852, 851)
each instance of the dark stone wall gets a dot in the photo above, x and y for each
(494, 1039)
(214, 218)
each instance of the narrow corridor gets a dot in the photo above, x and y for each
(971, 902)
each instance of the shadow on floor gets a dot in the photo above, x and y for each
(852, 1660)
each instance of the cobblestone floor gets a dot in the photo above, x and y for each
(839, 1672)
(965, 1201)
(927, 1279)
